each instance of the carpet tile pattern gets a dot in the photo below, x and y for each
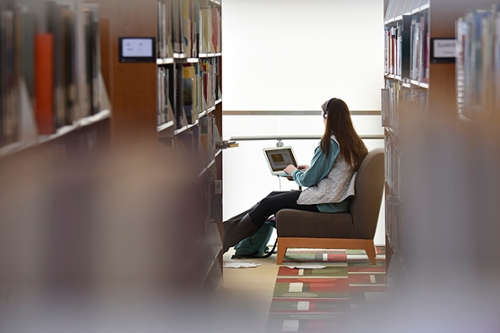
(314, 300)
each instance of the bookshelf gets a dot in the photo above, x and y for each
(50, 80)
(107, 177)
(420, 90)
(478, 105)
(172, 106)
(54, 111)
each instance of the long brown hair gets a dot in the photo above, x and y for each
(339, 123)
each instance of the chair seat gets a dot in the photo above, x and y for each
(298, 223)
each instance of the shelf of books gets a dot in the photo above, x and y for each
(406, 43)
(406, 66)
(50, 78)
(478, 63)
(171, 102)
(190, 104)
(478, 109)
(430, 74)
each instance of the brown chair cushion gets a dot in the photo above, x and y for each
(298, 223)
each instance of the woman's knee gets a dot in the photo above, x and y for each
(269, 198)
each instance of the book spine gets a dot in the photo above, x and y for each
(54, 27)
(44, 82)
(161, 96)
(189, 93)
(69, 55)
(215, 29)
(161, 50)
(8, 111)
(95, 56)
(165, 113)
(176, 27)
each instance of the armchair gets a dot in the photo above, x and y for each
(354, 229)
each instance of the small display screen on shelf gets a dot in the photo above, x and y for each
(137, 49)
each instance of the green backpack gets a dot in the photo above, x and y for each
(255, 246)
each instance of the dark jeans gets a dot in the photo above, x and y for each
(274, 202)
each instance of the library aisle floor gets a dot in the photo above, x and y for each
(256, 285)
(356, 305)
(333, 295)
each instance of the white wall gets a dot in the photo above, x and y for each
(289, 55)
(295, 54)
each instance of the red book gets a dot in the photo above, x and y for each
(44, 82)
(215, 29)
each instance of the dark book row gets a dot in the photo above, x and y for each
(49, 67)
(407, 47)
(187, 90)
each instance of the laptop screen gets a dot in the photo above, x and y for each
(278, 158)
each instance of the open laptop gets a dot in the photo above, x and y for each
(278, 158)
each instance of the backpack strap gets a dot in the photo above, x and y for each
(267, 254)
(273, 250)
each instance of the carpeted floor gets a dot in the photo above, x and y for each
(317, 300)
(350, 295)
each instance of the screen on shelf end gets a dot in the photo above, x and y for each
(137, 49)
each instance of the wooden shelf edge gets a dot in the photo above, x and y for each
(165, 126)
(83, 122)
(19, 146)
